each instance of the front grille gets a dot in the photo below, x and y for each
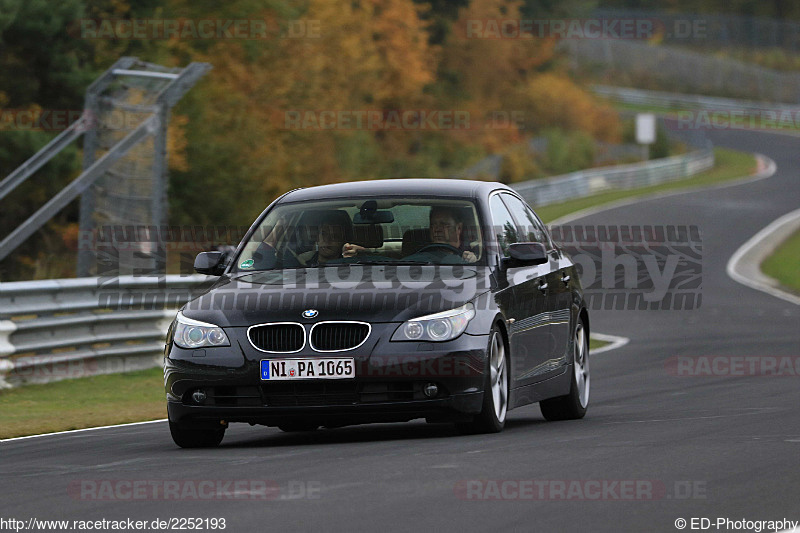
(284, 338)
(287, 394)
(338, 336)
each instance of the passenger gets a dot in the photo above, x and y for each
(329, 245)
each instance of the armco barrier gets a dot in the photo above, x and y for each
(587, 182)
(59, 329)
(666, 100)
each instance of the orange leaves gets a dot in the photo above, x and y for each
(408, 63)
(365, 56)
(552, 100)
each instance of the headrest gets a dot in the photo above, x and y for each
(414, 239)
(334, 217)
(368, 235)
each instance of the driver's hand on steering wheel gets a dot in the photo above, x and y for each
(469, 257)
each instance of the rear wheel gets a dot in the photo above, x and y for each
(189, 437)
(492, 417)
(573, 405)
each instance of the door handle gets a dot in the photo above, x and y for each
(565, 279)
(543, 287)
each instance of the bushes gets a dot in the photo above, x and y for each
(567, 151)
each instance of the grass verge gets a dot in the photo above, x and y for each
(596, 343)
(782, 263)
(139, 396)
(82, 403)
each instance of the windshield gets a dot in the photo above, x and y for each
(382, 230)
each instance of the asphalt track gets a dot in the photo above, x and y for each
(706, 446)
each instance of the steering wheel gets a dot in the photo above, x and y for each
(448, 247)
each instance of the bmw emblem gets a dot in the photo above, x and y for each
(310, 313)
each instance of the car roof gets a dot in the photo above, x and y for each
(405, 187)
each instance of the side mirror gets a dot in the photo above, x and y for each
(211, 263)
(525, 254)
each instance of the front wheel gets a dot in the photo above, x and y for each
(195, 437)
(492, 417)
(574, 404)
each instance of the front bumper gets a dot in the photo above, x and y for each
(388, 387)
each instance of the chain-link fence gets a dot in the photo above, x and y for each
(132, 192)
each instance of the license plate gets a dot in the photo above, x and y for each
(288, 369)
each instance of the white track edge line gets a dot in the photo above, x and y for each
(753, 242)
(614, 342)
(82, 430)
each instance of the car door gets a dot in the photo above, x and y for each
(560, 284)
(524, 301)
(557, 290)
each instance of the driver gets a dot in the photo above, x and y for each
(446, 229)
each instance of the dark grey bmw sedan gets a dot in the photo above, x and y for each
(381, 301)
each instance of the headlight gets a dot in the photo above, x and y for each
(195, 334)
(438, 327)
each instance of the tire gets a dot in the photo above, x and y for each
(195, 438)
(573, 405)
(492, 417)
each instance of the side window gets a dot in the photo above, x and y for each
(531, 230)
(503, 227)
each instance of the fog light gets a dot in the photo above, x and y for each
(430, 390)
(199, 396)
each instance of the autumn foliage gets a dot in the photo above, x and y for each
(230, 149)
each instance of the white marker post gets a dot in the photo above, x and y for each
(645, 132)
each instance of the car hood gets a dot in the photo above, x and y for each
(364, 293)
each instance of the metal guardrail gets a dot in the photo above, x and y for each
(667, 100)
(60, 329)
(588, 182)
